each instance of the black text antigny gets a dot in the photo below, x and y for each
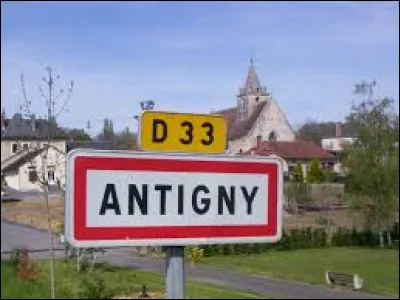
(226, 197)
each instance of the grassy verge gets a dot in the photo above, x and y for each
(378, 267)
(118, 281)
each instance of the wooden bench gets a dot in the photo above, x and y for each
(348, 280)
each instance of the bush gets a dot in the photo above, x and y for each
(320, 238)
(208, 250)
(284, 243)
(298, 173)
(315, 174)
(345, 237)
(16, 256)
(331, 176)
(395, 231)
(305, 238)
(25, 269)
(229, 249)
(93, 287)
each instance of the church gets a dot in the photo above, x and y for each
(257, 116)
(258, 126)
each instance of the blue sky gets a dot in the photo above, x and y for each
(193, 56)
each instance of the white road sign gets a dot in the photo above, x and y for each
(126, 198)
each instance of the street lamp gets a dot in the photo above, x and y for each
(145, 105)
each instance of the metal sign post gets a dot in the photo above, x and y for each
(175, 272)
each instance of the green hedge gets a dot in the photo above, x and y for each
(305, 238)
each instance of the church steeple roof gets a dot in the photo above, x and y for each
(252, 81)
(252, 85)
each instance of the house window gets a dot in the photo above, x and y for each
(257, 98)
(33, 177)
(14, 148)
(50, 175)
(25, 146)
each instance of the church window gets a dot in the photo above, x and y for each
(272, 136)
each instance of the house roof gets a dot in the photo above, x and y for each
(292, 150)
(236, 128)
(19, 128)
(19, 159)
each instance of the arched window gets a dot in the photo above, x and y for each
(273, 136)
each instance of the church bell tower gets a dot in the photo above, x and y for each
(251, 94)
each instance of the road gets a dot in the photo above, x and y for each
(15, 235)
(15, 195)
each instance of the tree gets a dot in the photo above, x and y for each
(126, 140)
(107, 136)
(52, 97)
(372, 161)
(315, 174)
(77, 135)
(298, 173)
(108, 130)
(316, 131)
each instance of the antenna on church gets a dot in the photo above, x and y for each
(251, 56)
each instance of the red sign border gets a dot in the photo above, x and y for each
(82, 232)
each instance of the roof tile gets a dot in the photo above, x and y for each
(292, 150)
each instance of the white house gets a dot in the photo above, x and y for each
(23, 145)
(335, 145)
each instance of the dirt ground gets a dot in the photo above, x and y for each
(34, 213)
(337, 218)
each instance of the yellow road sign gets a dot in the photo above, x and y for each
(167, 131)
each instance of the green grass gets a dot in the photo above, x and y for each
(120, 281)
(378, 267)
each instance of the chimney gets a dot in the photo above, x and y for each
(259, 141)
(338, 130)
